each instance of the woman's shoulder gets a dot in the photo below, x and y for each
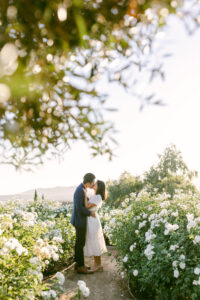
(96, 198)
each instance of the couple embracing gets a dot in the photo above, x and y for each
(89, 235)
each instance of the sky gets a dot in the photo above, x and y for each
(141, 134)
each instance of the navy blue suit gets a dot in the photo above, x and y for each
(79, 212)
(79, 221)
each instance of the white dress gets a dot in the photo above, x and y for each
(95, 243)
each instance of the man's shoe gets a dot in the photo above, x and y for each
(88, 267)
(76, 266)
(84, 270)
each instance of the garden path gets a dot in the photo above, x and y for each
(106, 285)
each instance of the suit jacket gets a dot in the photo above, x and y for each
(79, 212)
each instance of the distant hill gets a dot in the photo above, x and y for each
(60, 193)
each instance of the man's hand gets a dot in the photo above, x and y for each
(93, 214)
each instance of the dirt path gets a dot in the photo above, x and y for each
(106, 285)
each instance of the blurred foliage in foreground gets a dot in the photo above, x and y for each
(169, 175)
(53, 54)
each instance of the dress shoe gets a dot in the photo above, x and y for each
(84, 270)
(88, 267)
(76, 266)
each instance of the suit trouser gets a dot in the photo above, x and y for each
(79, 245)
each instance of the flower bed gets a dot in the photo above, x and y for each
(35, 237)
(158, 243)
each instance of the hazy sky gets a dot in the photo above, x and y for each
(142, 135)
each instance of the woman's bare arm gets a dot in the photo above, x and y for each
(88, 205)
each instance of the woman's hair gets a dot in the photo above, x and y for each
(88, 178)
(101, 189)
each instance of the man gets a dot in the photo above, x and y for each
(79, 221)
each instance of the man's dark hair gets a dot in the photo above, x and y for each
(88, 178)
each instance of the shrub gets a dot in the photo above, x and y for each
(33, 236)
(158, 245)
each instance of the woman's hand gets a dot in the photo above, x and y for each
(93, 214)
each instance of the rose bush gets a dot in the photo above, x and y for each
(35, 236)
(158, 244)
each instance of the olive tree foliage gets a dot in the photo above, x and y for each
(54, 53)
(170, 174)
(119, 189)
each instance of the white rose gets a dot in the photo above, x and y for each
(45, 251)
(196, 239)
(175, 227)
(34, 260)
(164, 204)
(182, 265)
(197, 271)
(164, 212)
(174, 264)
(52, 293)
(175, 214)
(195, 282)
(81, 283)
(45, 294)
(135, 272)
(19, 250)
(176, 273)
(173, 247)
(125, 259)
(142, 224)
(60, 277)
(191, 224)
(182, 257)
(190, 217)
(55, 257)
(85, 291)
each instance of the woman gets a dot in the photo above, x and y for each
(95, 243)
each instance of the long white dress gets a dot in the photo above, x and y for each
(95, 243)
